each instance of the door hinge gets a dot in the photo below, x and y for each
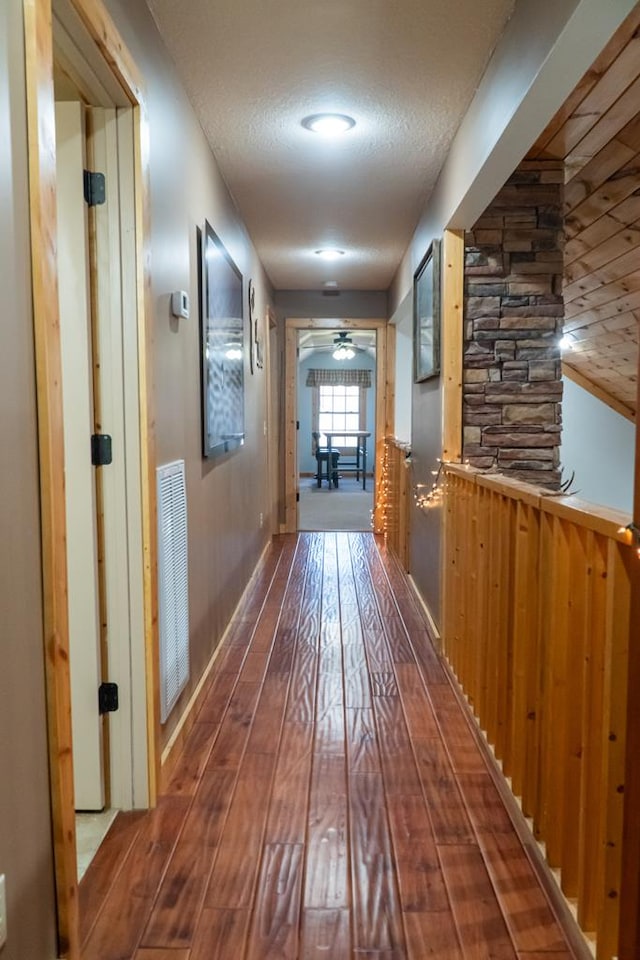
(297, 424)
(101, 450)
(298, 497)
(107, 698)
(95, 192)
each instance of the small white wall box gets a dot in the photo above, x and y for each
(180, 304)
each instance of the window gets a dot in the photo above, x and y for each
(339, 408)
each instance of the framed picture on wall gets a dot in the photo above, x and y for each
(426, 315)
(222, 348)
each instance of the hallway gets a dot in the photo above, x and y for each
(331, 799)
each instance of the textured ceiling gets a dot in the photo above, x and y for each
(405, 70)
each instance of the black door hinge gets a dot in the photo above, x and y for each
(101, 450)
(298, 497)
(297, 424)
(107, 698)
(95, 192)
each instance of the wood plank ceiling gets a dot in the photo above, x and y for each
(597, 134)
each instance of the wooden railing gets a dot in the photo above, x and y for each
(394, 498)
(537, 593)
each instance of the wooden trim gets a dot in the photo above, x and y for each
(297, 323)
(610, 523)
(107, 39)
(636, 480)
(42, 183)
(576, 377)
(541, 148)
(384, 402)
(390, 383)
(98, 418)
(629, 946)
(384, 411)
(614, 733)
(270, 426)
(291, 439)
(135, 442)
(147, 446)
(46, 321)
(452, 333)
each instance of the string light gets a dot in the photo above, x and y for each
(388, 499)
(435, 495)
(632, 532)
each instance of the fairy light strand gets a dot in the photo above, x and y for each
(632, 532)
(434, 495)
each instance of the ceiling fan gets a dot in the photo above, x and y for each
(343, 345)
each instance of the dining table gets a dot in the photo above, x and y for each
(360, 462)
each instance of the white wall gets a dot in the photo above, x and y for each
(403, 322)
(599, 445)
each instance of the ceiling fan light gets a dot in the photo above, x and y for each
(343, 353)
(343, 347)
(328, 124)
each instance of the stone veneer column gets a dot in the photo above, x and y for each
(513, 320)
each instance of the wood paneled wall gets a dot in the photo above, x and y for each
(597, 135)
(536, 626)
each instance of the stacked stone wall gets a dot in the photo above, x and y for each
(513, 321)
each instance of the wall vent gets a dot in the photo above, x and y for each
(173, 587)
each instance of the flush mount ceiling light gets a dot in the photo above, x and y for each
(567, 341)
(329, 253)
(343, 347)
(328, 124)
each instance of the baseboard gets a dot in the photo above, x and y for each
(435, 630)
(185, 724)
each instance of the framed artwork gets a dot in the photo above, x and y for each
(222, 348)
(255, 334)
(426, 315)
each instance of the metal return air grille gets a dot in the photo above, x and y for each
(173, 588)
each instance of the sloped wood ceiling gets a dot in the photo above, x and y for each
(597, 134)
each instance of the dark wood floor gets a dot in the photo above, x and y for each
(331, 801)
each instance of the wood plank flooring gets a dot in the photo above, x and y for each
(331, 799)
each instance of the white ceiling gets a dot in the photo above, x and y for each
(405, 70)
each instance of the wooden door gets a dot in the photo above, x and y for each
(80, 490)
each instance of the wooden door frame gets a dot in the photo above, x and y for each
(42, 182)
(385, 398)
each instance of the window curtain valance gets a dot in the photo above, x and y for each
(339, 378)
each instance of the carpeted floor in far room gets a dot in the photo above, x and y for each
(347, 507)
